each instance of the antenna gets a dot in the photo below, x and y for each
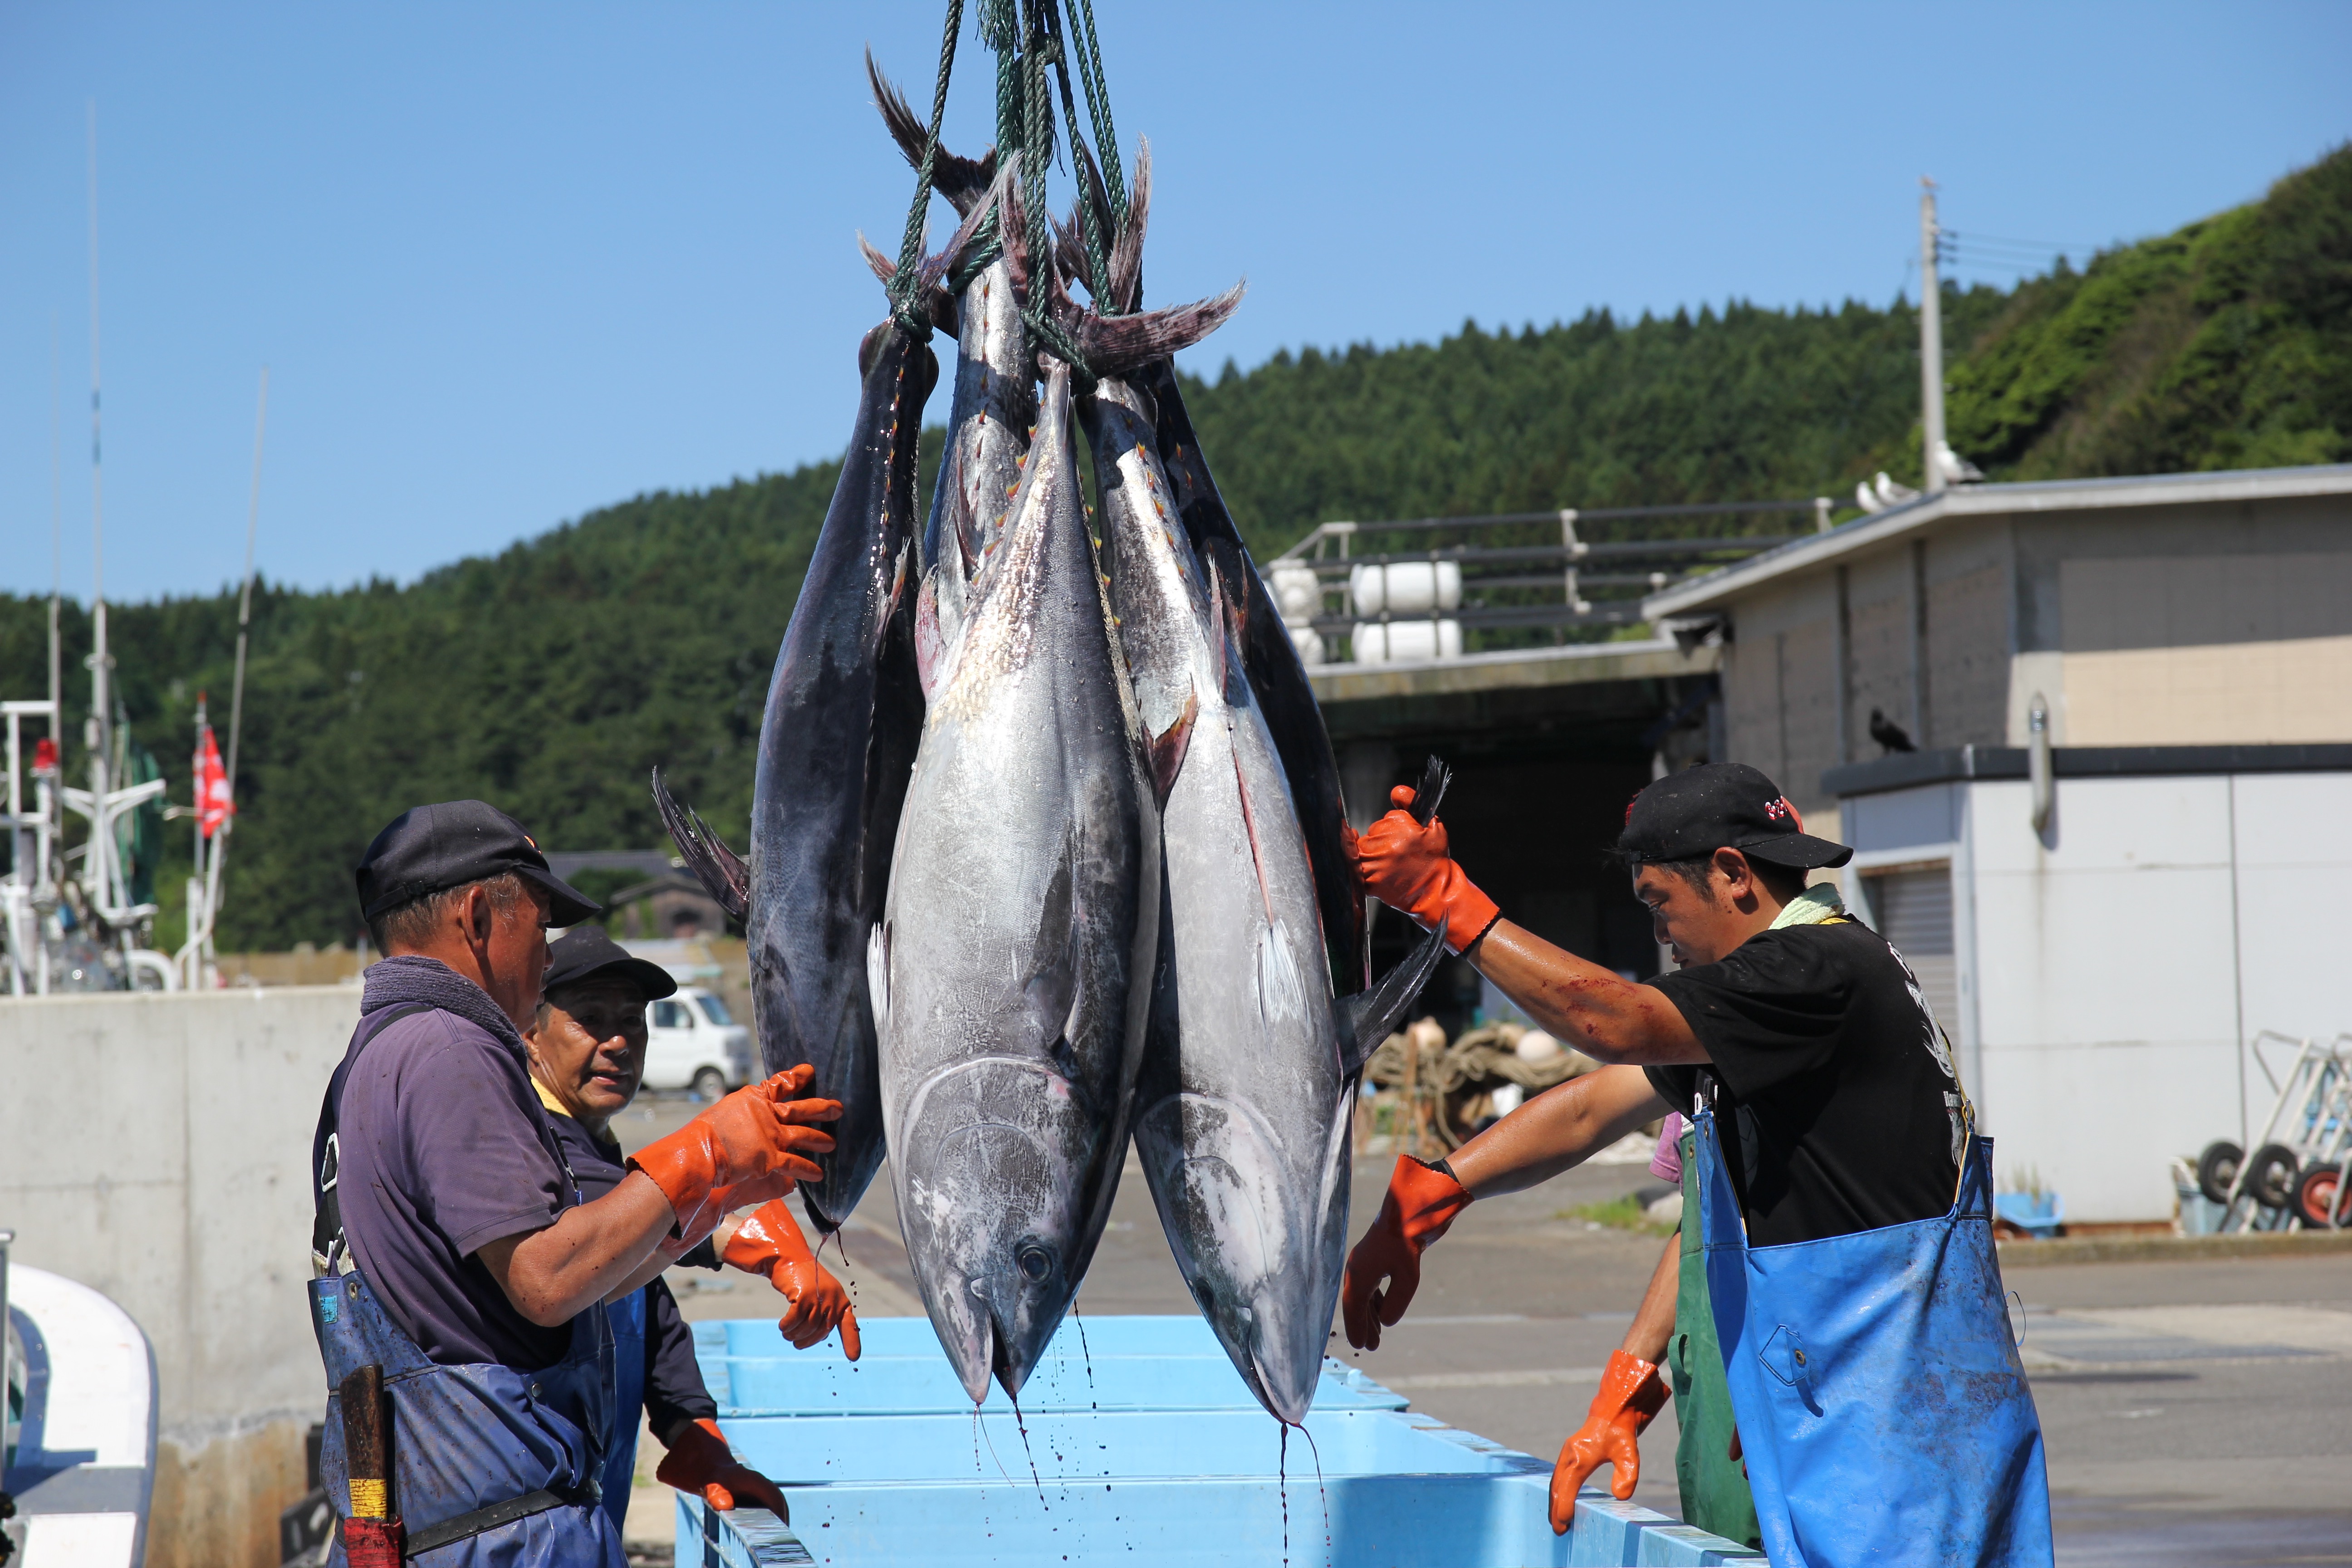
(99, 873)
(56, 532)
(236, 691)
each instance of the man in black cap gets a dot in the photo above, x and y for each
(587, 1049)
(457, 1258)
(1839, 1112)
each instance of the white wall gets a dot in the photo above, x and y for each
(2114, 967)
(156, 1148)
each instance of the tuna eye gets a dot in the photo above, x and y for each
(1035, 1262)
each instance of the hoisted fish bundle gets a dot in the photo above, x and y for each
(1047, 836)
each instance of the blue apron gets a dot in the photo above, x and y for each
(498, 1464)
(474, 1437)
(1883, 1409)
(628, 1320)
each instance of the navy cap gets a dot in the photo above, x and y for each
(429, 848)
(578, 955)
(1691, 815)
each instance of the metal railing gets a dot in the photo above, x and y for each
(1490, 587)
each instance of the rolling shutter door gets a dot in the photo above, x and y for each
(1914, 910)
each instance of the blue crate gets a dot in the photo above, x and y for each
(1101, 1363)
(1144, 1447)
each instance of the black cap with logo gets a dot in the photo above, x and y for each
(588, 952)
(428, 847)
(1722, 806)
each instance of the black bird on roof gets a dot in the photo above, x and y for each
(1888, 733)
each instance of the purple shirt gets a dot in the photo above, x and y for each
(1667, 1165)
(443, 1148)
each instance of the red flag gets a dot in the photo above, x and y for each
(213, 806)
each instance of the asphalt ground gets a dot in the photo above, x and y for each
(2195, 1412)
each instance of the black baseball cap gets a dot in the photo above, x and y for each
(578, 954)
(428, 847)
(1721, 805)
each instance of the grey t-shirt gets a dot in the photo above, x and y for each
(442, 1149)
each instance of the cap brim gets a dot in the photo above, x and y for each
(647, 976)
(566, 905)
(1799, 851)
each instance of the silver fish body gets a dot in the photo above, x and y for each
(1011, 968)
(836, 745)
(1241, 1107)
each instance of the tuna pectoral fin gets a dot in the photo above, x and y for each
(878, 973)
(719, 869)
(1168, 746)
(1370, 1016)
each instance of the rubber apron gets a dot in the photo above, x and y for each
(1882, 1411)
(1714, 1493)
(627, 1315)
(497, 1464)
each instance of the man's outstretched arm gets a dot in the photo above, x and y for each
(1407, 863)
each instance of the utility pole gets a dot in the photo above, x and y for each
(1931, 340)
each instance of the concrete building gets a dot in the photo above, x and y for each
(2131, 705)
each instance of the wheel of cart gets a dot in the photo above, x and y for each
(2310, 1125)
(2320, 1198)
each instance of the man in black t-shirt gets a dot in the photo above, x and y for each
(1835, 1090)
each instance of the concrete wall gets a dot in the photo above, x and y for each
(1919, 632)
(2116, 970)
(2148, 625)
(156, 1148)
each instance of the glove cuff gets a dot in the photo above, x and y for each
(1629, 1386)
(1469, 913)
(697, 1454)
(684, 1166)
(1422, 1201)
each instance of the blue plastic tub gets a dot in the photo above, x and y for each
(1139, 1445)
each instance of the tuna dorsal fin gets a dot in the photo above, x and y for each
(1168, 746)
(719, 869)
(1370, 1016)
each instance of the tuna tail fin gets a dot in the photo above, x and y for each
(1121, 345)
(1125, 244)
(1434, 776)
(1370, 1016)
(938, 303)
(719, 869)
(967, 233)
(1127, 251)
(963, 181)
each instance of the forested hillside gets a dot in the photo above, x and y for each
(552, 678)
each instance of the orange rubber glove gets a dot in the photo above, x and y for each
(1422, 1202)
(748, 1148)
(771, 1243)
(1409, 867)
(1630, 1397)
(701, 1461)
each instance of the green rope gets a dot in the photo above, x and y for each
(1096, 244)
(905, 307)
(1097, 87)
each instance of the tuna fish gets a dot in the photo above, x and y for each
(1241, 1110)
(1010, 975)
(837, 745)
(1278, 680)
(996, 386)
(1268, 657)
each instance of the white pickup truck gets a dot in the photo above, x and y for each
(693, 1042)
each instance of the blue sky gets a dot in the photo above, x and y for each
(509, 263)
